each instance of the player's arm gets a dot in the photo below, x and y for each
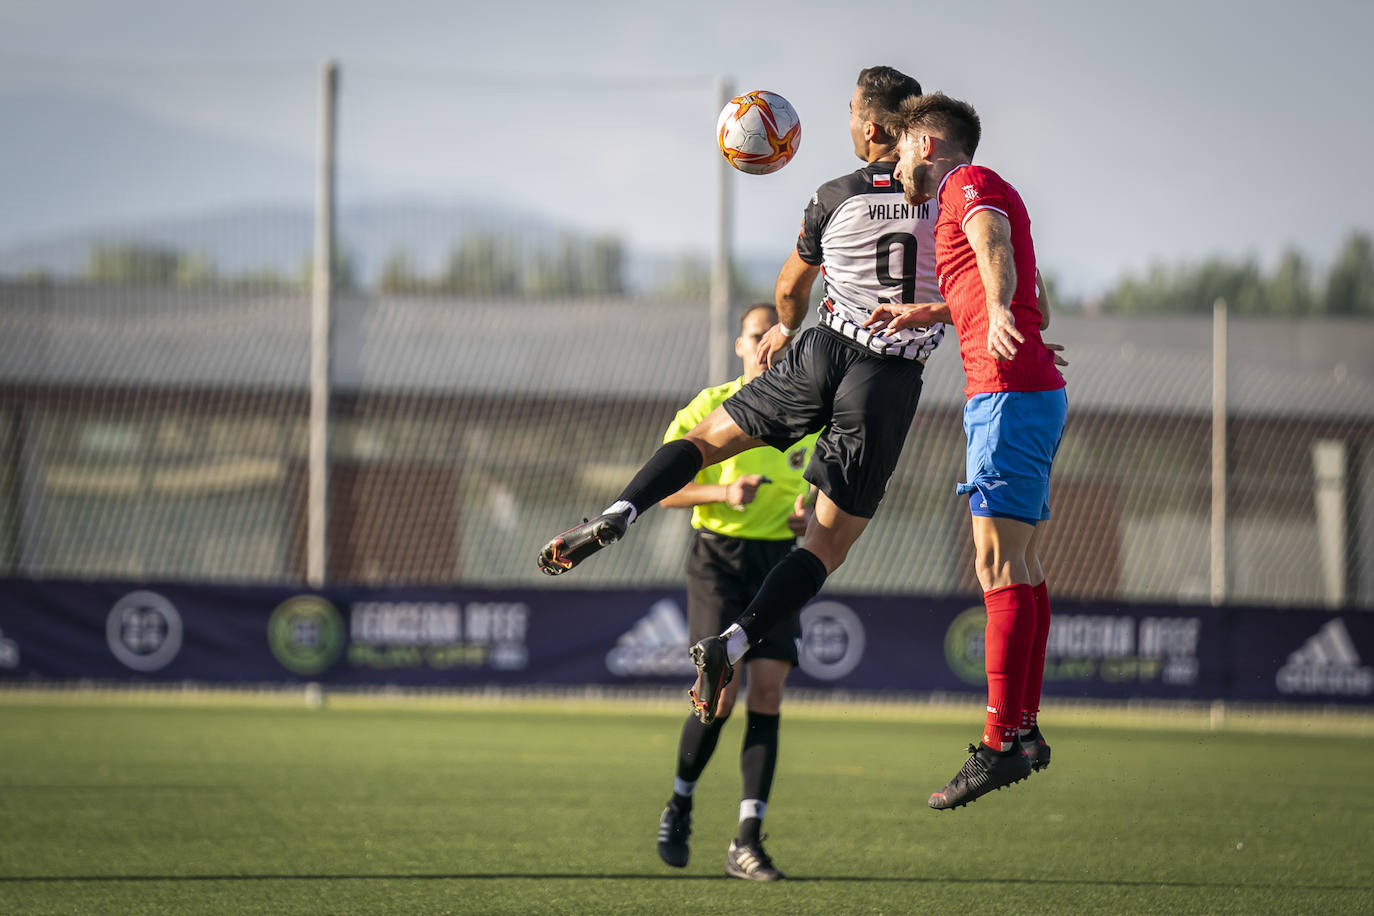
(895, 316)
(792, 296)
(989, 235)
(738, 493)
(1042, 300)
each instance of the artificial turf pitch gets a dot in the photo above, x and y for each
(363, 807)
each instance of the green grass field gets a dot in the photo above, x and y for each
(376, 806)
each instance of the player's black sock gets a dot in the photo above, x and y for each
(757, 760)
(694, 750)
(793, 582)
(670, 469)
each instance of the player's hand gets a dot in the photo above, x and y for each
(1002, 334)
(890, 317)
(1055, 349)
(802, 510)
(741, 491)
(771, 347)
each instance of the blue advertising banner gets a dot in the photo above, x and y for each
(469, 637)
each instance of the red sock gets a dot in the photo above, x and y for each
(1035, 674)
(1007, 648)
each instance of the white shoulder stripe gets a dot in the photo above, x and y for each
(964, 221)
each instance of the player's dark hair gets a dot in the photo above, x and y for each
(952, 119)
(754, 307)
(882, 90)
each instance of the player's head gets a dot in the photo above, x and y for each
(754, 322)
(935, 133)
(879, 93)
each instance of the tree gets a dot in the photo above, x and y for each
(1350, 284)
(1290, 290)
(605, 266)
(481, 265)
(399, 277)
(343, 272)
(690, 278)
(133, 263)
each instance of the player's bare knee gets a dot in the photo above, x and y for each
(828, 546)
(765, 697)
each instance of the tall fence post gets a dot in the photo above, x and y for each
(718, 347)
(1329, 469)
(321, 335)
(1220, 590)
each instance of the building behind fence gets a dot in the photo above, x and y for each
(498, 373)
(161, 434)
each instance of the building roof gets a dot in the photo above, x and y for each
(66, 336)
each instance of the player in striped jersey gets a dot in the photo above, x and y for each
(746, 514)
(859, 388)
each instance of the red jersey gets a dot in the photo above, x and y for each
(963, 192)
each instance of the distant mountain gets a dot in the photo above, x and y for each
(76, 161)
(244, 239)
(252, 239)
(81, 171)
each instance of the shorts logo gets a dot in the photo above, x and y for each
(306, 634)
(832, 640)
(143, 631)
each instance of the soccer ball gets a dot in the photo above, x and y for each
(759, 132)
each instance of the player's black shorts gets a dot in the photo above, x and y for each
(868, 402)
(723, 575)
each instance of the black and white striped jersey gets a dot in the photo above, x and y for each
(872, 247)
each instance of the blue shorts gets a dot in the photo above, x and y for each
(1012, 440)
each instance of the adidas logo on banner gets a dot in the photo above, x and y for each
(655, 645)
(1327, 663)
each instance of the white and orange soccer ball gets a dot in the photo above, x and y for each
(759, 132)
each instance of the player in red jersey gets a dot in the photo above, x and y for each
(1014, 418)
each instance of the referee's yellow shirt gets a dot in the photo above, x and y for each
(765, 519)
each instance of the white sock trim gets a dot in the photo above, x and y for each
(752, 807)
(736, 643)
(683, 788)
(622, 505)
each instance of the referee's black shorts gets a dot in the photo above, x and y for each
(865, 403)
(723, 575)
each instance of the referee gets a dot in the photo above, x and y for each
(747, 512)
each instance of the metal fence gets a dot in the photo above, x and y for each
(498, 372)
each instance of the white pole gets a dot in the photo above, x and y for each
(1219, 579)
(1329, 462)
(321, 334)
(719, 345)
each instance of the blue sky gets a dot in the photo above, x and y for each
(1137, 133)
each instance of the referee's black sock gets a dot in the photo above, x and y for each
(670, 469)
(793, 582)
(758, 759)
(694, 750)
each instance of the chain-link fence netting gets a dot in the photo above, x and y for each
(500, 371)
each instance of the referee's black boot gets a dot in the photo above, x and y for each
(674, 828)
(581, 541)
(714, 671)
